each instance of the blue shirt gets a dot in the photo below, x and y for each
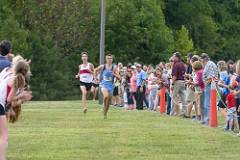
(226, 80)
(4, 62)
(238, 88)
(141, 76)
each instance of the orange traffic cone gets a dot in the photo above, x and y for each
(213, 120)
(162, 100)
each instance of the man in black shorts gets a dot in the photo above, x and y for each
(85, 76)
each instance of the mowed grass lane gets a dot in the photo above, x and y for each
(60, 131)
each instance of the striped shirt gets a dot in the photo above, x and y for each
(210, 71)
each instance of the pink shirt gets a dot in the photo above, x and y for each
(199, 79)
(133, 83)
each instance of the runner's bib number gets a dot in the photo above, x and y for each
(105, 78)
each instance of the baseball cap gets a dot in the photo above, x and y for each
(204, 56)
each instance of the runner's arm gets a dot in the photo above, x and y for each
(97, 70)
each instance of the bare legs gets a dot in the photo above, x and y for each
(106, 101)
(3, 137)
(84, 98)
(94, 90)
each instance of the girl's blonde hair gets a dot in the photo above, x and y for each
(222, 66)
(21, 70)
(16, 59)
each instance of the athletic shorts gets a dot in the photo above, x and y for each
(95, 85)
(115, 91)
(108, 87)
(2, 110)
(88, 86)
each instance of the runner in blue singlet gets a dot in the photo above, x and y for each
(107, 73)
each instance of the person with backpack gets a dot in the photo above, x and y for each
(85, 76)
(107, 73)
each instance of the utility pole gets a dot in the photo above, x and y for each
(102, 43)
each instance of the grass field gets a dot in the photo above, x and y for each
(60, 131)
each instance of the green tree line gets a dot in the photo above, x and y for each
(53, 33)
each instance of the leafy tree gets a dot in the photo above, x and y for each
(10, 29)
(183, 42)
(137, 29)
(196, 15)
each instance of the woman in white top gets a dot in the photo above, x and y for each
(153, 90)
(85, 76)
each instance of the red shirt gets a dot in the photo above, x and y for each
(231, 101)
(178, 70)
